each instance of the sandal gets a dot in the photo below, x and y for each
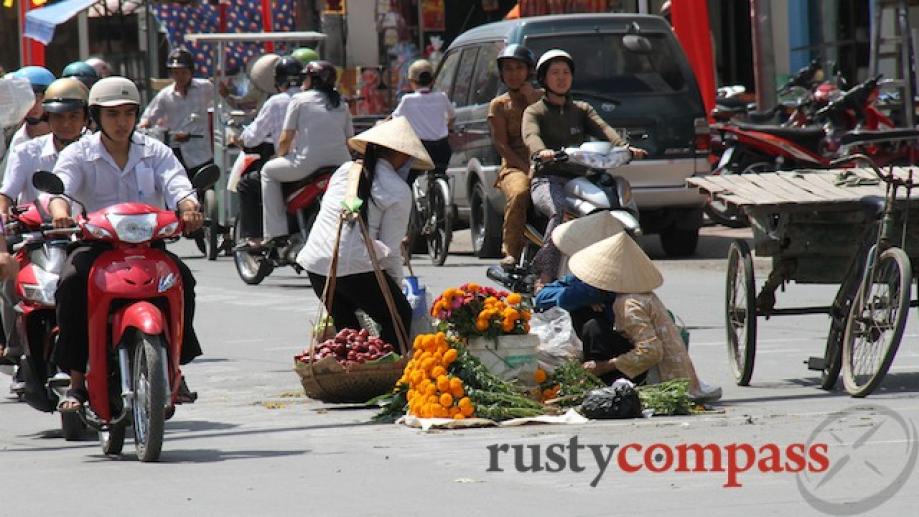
(71, 396)
(185, 395)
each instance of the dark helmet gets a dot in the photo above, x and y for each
(546, 59)
(322, 74)
(287, 72)
(85, 73)
(517, 53)
(180, 58)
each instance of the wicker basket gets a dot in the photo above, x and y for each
(328, 381)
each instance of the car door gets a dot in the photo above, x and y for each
(462, 86)
(485, 85)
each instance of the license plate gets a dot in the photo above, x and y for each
(725, 159)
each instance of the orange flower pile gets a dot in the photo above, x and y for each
(432, 392)
(473, 310)
(546, 389)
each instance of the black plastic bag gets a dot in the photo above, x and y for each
(617, 401)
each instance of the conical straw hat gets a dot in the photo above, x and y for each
(396, 134)
(616, 264)
(577, 234)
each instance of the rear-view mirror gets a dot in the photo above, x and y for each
(48, 182)
(206, 177)
(637, 44)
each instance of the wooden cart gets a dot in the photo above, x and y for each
(818, 227)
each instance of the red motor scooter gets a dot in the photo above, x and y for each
(135, 329)
(303, 198)
(40, 252)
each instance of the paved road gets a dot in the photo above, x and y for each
(252, 445)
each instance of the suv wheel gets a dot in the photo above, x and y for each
(679, 242)
(484, 224)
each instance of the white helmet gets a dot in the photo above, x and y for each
(262, 74)
(114, 91)
(542, 66)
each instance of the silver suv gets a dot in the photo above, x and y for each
(646, 90)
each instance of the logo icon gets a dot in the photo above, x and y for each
(872, 450)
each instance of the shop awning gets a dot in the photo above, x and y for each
(40, 23)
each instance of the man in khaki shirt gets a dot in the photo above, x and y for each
(515, 65)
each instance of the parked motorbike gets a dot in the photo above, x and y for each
(135, 306)
(40, 252)
(303, 198)
(851, 124)
(598, 189)
(733, 103)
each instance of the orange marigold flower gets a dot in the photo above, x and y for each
(446, 400)
(467, 410)
(465, 402)
(481, 325)
(459, 416)
(540, 376)
(514, 298)
(450, 356)
(443, 384)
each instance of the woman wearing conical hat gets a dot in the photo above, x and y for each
(389, 150)
(617, 271)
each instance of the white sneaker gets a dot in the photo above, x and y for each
(706, 393)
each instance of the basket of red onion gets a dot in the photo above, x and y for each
(353, 366)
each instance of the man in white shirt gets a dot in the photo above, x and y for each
(266, 128)
(429, 113)
(113, 166)
(181, 108)
(65, 105)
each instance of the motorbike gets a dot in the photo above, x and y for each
(598, 189)
(40, 252)
(135, 306)
(733, 103)
(302, 198)
(851, 124)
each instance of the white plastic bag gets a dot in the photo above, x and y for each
(16, 99)
(558, 342)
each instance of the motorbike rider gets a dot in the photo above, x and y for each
(429, 113)
(35, 124)
(80, 70)
(555, 122)
(316, 128)
(516, 64)
(112, 166)
(65, 107)
(182, 109)
(267, 125)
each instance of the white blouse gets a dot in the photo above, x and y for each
(387, 222)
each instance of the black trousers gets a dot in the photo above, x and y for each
(600, 341)
(440, 152)
(72, 351)
(249, 189)
(361, 291)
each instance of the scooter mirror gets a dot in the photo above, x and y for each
(48, 182)
(206, 177)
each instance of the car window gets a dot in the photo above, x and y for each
(485, 83)
(464, 77)
(444, 80)
(604, 65)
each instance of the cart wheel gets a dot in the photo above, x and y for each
(740, 312)
(832, 353)
(875, 323)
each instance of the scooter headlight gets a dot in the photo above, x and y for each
(133, 228)
(97, 231)
(168, 230)
(43, 291)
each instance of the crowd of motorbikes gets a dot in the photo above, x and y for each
(817, 121)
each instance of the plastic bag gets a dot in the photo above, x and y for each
(418, 297)
(617, 401)
(16, 99)
(558, 342)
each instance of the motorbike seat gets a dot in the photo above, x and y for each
(290, 189)
(884, 135)
(872, 206)
(808, 137)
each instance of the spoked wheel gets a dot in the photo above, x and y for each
(212, 230)
(875, 323)
(740, 312)
(251, 267)
(832, 353)
(438, 226)
(112, 440)
(150, 385)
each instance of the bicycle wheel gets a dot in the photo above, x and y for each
(740, 312)
(875, 323)
(439, 223)
(832, 353)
